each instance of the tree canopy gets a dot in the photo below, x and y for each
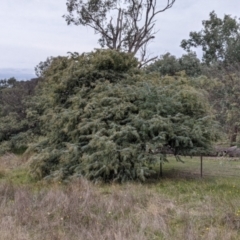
(220, 42)
(219, 39)
(123, 25)
(168, 64)
(14, 123)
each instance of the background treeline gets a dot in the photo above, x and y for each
(16, 127)
(100, 116)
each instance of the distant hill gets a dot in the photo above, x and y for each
(19, 74)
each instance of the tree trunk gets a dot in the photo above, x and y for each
(234, 136)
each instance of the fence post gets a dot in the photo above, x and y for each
(201, 158)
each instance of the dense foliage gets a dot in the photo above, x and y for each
(168, 64)
(222, 84)
(105, 119)
(219, 40)
(220, 43)
(16, 130)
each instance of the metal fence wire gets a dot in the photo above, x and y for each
(202, 167)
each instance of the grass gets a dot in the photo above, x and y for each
(178, 206)
(212, 166)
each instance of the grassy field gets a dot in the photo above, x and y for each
(180, 205)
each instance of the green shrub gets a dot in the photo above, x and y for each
(103, 119)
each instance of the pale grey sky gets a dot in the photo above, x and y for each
(32, 30)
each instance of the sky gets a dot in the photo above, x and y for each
(32, 30)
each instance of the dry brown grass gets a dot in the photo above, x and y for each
(7, 162)
(81, 210)
(172, 208)
(78, 211)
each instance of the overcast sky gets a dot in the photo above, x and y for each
(32, 30)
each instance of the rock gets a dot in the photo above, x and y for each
(220, 151)
(233, 151)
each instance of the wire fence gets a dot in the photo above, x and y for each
(210, 167)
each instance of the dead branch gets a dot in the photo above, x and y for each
(132, 29)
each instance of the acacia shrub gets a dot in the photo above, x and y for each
(104, 118)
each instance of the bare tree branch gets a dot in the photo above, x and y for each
(124, 25)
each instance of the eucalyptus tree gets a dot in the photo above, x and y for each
(222, 84)
(219, 39)
(123, 25)
(220, 43)
(168, 64)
